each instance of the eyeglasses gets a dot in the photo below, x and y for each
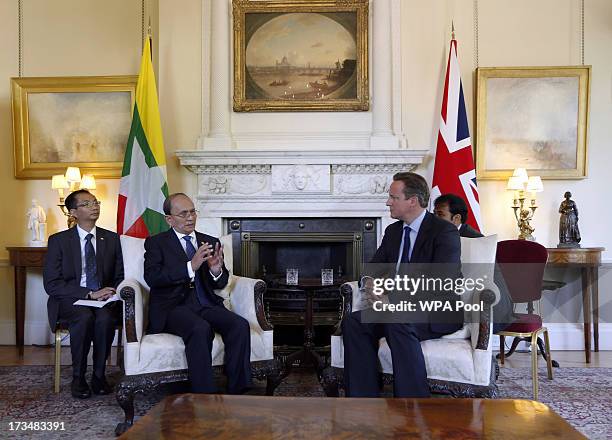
(89, 204)
(185, 214)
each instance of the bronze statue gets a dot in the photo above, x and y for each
(569, 235)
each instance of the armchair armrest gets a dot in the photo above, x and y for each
(350, 294)
(246, 299)
(131, 294)
(488, 297)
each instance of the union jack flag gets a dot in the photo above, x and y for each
(454, 170)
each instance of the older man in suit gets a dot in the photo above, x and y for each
(84, 262)
(182, 268)
(417, 239)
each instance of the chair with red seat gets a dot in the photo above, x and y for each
(522, 265)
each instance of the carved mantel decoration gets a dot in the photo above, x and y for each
(268, 183)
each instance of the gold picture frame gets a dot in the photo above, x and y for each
(534, 118)
(79, 121)
(300, 55)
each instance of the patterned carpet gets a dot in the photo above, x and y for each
(583, 396)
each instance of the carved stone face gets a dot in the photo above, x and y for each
(300, 178)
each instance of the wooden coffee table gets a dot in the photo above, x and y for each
(193, 416)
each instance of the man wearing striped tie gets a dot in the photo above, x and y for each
(416, 240)
(84, 262)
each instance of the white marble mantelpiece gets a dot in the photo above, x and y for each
(283, 183)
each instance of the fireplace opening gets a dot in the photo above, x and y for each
(269, 246)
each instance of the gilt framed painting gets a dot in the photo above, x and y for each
(534, 118)
(300, 55)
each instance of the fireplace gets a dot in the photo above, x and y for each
(269, 246)
(309, 208)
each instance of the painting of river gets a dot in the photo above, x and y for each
(301, 56)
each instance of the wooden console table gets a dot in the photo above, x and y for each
(22, 258)
(588, 261)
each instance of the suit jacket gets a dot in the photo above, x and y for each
(467, 231)
(437, 242)
(165, 271)
(62, 268)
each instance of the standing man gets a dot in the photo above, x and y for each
(182, 268)
(453, 208)
(420, 238)
(84, 262)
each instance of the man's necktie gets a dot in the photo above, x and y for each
(200, 291)
(91, 269)
(406, 249)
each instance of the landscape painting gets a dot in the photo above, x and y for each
(294, 60)
(532, 118)
(81, 121)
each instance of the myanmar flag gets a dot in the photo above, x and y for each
(143, 185)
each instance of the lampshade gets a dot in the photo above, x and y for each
(73, 174)
(535, 184)
(59, 182)
(515, 183)
(521, 173)
(88, 182)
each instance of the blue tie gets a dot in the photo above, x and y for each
(200, 291)
(406, 249)
(91, 269)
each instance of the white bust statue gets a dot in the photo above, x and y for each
(37, 223)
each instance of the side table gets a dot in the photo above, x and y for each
(22, 258)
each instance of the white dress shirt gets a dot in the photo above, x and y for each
(414, 232)
(82, 234)
(194, 242)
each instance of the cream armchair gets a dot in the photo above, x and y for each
(460, 364)
(151, 360)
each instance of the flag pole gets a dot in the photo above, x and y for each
(150, 37)
(452, 29)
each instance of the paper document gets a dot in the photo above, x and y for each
(95, 303)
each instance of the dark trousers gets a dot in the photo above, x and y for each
(361, 366)
(197, 326)
(87, 325)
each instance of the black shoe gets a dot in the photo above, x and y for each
(100, 386)
(79, 389)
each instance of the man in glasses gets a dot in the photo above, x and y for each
(84, 262)
(183, 267)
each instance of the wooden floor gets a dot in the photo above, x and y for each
(45, 356)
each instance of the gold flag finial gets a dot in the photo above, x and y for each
(149, 28)
(452, 29)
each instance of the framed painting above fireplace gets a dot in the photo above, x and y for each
(300, 55)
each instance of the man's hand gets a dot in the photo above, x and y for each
(202, 254)
(215, 261)
(103, 294)
(367, 290)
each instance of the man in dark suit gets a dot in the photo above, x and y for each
(418, 238)
(183, 267)
(453, 208)
(84, 262)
